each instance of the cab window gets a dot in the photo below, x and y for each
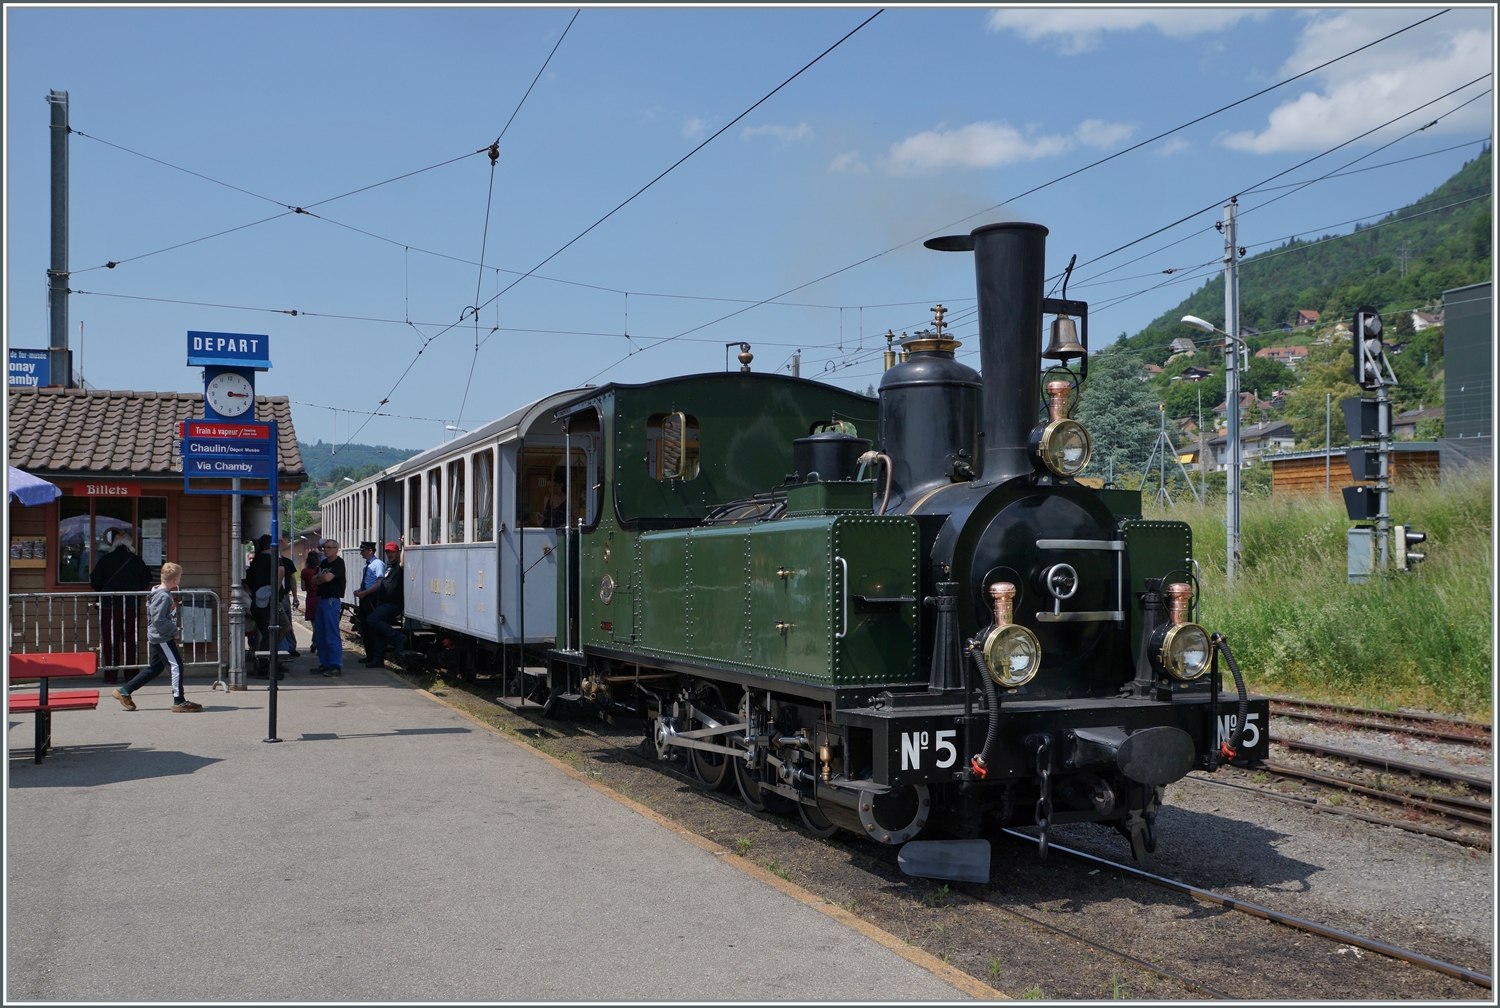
(672, 446)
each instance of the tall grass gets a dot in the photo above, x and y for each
(1297, 625)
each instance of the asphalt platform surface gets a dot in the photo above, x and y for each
(388, 849)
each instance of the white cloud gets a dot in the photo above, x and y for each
(1098, 133)
(1173, 146)
(849, 161)
(992, 144)
(693, 128)
(1360, 93)
(1080, 29)
(786, 134)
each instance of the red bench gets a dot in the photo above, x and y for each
(63, 665)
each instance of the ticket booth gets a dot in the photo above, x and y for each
(115, 457)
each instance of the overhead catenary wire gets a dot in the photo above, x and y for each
(494, 152)
(1060, 178)
(620, 206)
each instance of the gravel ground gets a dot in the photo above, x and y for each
(1475, 761)
(1052, 929)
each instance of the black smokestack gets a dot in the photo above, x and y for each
(1009, 263)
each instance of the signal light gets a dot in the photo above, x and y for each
(1361, 419)
(1362, 503)
(1371, 370)
(1364, 464)
(1404, 538)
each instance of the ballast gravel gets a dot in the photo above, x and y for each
(1476, 761)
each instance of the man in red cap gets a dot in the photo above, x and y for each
(389, 597)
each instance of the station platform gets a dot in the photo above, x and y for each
(389, 849)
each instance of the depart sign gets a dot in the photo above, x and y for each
(240, 350)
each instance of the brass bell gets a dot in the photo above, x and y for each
(1064, 345)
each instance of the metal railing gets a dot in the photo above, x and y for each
(113, 625)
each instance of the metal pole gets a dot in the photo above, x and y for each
(1328, 444)
(57, 272)
(1383, 486)
(567, 535)
(236, 596)
(271, 735)
(1232, 385)
(797, 364)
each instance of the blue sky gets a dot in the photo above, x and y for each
(923, 117)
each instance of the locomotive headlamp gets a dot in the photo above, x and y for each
(1012, 652)
(1181, 648)
(1062, 445)
(1185, 651)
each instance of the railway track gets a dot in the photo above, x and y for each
(1210, 987)
(1265, 913)
(1431, 726)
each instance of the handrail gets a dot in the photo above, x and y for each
(52, 622)
(844, 564)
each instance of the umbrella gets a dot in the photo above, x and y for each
(30, 490)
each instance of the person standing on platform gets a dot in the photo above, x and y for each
(288, 598)
(162, 634)
(119, 570)
(331, 582)
(258, 581)
(389, 598)
(369, 581)
(310, 591)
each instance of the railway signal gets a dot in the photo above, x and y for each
(1404, 539)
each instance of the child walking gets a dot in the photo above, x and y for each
(162, 634)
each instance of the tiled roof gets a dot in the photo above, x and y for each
(101, 431)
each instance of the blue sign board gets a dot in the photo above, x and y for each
(232, 449)
(196, 465)
(246, 350)
(29, 369)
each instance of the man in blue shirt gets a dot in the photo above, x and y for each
(369, 584)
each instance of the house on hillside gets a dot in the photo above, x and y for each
(1193, 373)
(1248, 401)
(1288, 355)
(1307, 317)
(1183, 345)
(1404, 426)
(1425, 320)
(1255, 440)
(1151, 371)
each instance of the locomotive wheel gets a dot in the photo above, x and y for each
(816, 822)
(714, 769)
(758, 799)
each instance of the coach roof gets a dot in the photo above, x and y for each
(508, 427)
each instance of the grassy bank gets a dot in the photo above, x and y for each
(1297, 626)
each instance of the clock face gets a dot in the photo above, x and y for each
(229, 393)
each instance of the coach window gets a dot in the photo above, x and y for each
(414, 511)
(456, 501)
(484, 495)
(434, 506)
(672, 446)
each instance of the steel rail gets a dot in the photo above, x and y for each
(1385, 726)
(1462, 808)
(1480, 843)
(1275, 916)
(1405, 715)
(1389, 764)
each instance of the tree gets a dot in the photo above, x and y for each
(1119, 410)
(1324, 372)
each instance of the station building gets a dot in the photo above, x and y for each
(116, 457)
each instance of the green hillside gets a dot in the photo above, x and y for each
(323, 465)
(1445, 236)
(1445, 240)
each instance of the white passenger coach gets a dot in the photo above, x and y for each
(479, 518)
